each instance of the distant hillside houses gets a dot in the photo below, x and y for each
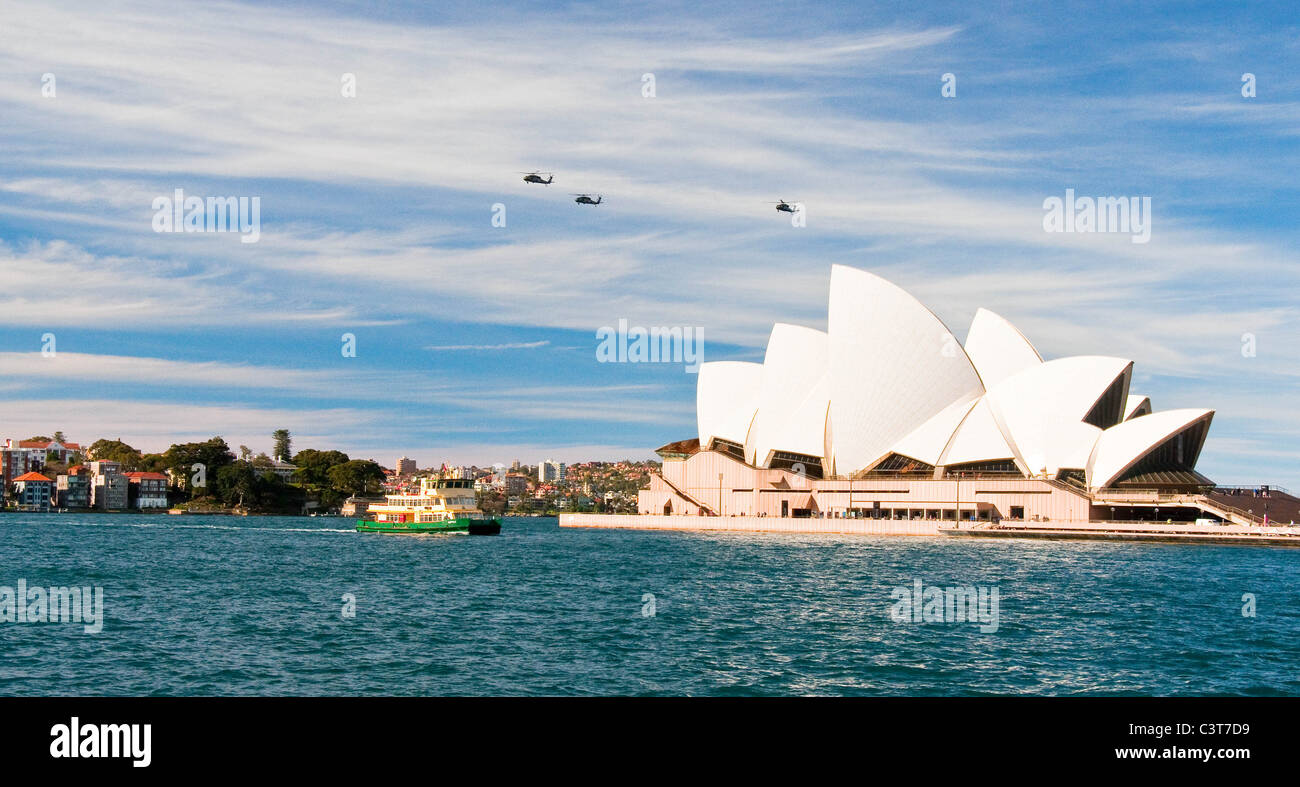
(40, 450)
(98, 485)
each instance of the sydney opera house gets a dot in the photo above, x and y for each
(886, 415)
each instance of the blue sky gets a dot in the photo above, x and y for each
(376, 209)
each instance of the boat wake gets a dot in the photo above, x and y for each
(172, 526)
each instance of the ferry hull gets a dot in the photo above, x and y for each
(474, 527)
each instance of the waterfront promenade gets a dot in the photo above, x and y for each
(757, 524)
(1138, 531)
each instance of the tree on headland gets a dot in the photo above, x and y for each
(356, 476)
(153, 463)
(245, 453)
(40, 438)
(212, 454)
(236, 483)
(273, 494)
(116, 451)
(313, 475)
(243, 485)
(314, 466)
(283, 445)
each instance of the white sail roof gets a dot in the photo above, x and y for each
(927, 441)
(1123, 445)
(1072, 444)
(1042, 408)
(893, 366)
(977, 439)
(805, 432)
(726, 396)
(1137, 405)
(997, 349)
(793, 395)
(888, 377)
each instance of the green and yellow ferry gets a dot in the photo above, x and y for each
(441, 506)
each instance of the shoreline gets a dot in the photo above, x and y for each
(754, 524)
(1257, 535)
(162, 512)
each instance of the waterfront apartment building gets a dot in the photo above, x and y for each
(72, 489)
(405, 466)
(109, 488)
(13, 463)
(105, 466)
(550, 471)
(33, 491)
(146, 490)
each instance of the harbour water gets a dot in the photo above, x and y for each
(199, 605)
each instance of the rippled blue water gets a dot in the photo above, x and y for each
(252, 606)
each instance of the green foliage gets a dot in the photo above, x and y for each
(355, 476)
(236, 484)
(116, 451)
(241, 484)
(153, 463)
(283, 444)
(213, 454)
(314, 466)
(274, 495)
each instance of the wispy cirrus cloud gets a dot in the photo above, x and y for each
(377, 209)
(488, 347)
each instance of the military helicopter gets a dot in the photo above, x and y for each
(536, 177)
(585, 199)
(783, 206)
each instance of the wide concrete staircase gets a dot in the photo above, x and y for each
(706, 508)
(1280, 507)
(1235, 506)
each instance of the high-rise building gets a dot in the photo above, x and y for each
(72, 489)
(13, 463)
(109, 491)
(550, 471)
(405, 466)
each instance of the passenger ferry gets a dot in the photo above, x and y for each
(441, 506)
